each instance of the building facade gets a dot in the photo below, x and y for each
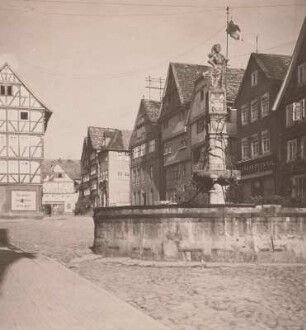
(105, 169)
(145, 155)
(182, 133)
(23, 122)
(291, 106)
(60, 186)
(258, 131)
(175, 148)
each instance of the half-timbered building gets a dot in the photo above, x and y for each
(179, 92)
(145, 155)
(105, 169)
(23, 122)
(60, 187)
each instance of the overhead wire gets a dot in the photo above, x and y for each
(128, 73)
(141, 4)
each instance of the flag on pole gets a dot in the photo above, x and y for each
(233, 30)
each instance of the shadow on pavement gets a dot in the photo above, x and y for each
(8, 254)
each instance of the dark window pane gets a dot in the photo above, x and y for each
(9, 90)
(24, 115)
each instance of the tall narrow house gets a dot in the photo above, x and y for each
(258, 129)
(145, 159)
(291, 105)
(183, 122)
(23, 122)
(105, 169)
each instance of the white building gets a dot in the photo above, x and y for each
(60, 187)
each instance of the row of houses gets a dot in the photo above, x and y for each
(265, 135)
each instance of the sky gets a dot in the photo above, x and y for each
(87, 60)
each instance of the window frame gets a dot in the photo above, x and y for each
(245, 114)
(254, 106)
(265, 113)
(291, 148)
(265, 134)
(254, 78)
(255, 138)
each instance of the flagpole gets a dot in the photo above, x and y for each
(227, 20)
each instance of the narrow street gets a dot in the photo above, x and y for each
(179, 295)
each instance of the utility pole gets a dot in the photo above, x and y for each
(155, 84)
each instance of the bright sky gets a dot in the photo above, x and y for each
(88, 59)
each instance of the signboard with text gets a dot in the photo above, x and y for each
(23, 200)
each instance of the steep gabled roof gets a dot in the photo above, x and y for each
(273, 65)
(109, 138)
(71, 167)
(152, 109)
(48, 112)
(296, 52)
(185, 76)
(148, 112)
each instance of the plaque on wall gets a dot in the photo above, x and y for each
(23, 200)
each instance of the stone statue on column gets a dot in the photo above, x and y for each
(218, 62)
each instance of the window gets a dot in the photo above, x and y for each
(166, 124)
(291, 150)
(244, 114)
(254, 78)
(183, 144)
(151, 146)
(167, 149)
(6, 90)
(302, 74)
(265, 141)
(136, 152)
(265, 105)
(299, 187)
(254, 145)
(93, 170)
(120, 173)
(151, 172)
(24, 115)
(9, 90)
(94, 185)
(289, 114)
(182, 170)
(245, 148)
(143, 149)
(295, 112)
(202, 95)
(182, 115)
(254, 110)
(303, 147)
(200, 126)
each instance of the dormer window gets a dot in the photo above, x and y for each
(254, 78)
(6, 90)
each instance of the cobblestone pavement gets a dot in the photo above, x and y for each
(215, 296)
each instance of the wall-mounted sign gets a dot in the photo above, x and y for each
(23, 200)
